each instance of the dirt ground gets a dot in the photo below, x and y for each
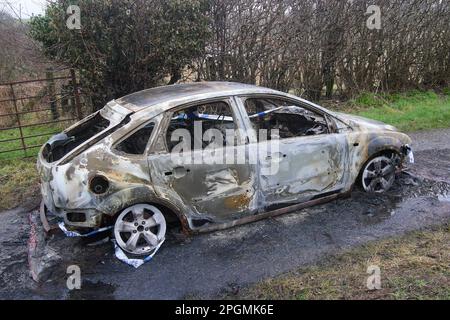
(216, 264)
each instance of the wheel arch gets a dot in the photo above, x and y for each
(386, 151)
(125, 198)
(382, 144)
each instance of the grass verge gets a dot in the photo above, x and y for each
(19, 181)
(410, 111)
(414, 266)
(33, 143)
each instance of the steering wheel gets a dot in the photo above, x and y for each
(316, 129)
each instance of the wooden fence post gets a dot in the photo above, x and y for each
(16, 110)
(76, 94)
(52, 94)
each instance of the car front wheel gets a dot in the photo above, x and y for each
(378, 175)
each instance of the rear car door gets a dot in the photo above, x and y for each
(301, 157)
(208, 184)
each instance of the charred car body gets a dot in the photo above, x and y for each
(116, 166)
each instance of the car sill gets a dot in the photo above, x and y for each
(273, 213)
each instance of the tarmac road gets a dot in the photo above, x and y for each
(218, 263)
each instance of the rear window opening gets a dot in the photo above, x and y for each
(61, 144)
(89, 128)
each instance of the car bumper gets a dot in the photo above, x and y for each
(79, 219)
(59, 201)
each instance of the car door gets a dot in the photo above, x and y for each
(303, 159)
(209, 181)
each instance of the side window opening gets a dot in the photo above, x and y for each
(137, 142)
(289, 119)
(215, 115)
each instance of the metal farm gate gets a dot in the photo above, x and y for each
(33, 110)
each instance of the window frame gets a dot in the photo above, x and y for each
(229, 100)
(254, 136)
(127, 135)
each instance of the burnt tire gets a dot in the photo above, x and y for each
(378, 173)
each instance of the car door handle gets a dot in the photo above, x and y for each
(178, 172)
(278, 156)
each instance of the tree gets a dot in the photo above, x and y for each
(315, 47)
(124, 45)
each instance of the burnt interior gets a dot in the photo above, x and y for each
(290, 120)
(216, 115)
(137, 142)
(293, 125)
(61, 144)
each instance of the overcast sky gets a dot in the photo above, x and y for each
(26, 7)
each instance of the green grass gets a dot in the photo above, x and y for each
(19, 182)
(414, 266)
(411, 111)
(48, 130)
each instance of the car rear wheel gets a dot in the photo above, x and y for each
(378, 174)
(139, 229)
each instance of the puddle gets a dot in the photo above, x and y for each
(385, 207)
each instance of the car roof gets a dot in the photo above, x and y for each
(183, 93)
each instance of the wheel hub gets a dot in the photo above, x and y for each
(379, 174)
(140, 228)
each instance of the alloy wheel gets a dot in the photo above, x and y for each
(379, 174)
(140, 228)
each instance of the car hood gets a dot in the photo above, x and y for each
(364, 123)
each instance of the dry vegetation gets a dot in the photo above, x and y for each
(20, 57)
(315, 48)
(323, 47)
(19, 181)
(414, 266)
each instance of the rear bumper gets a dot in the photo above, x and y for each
(88, 218)
(62, 201)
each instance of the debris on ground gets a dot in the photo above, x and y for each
(42, 258)
(134, 262)
(119, 253)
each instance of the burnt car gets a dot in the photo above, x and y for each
(122, 165)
